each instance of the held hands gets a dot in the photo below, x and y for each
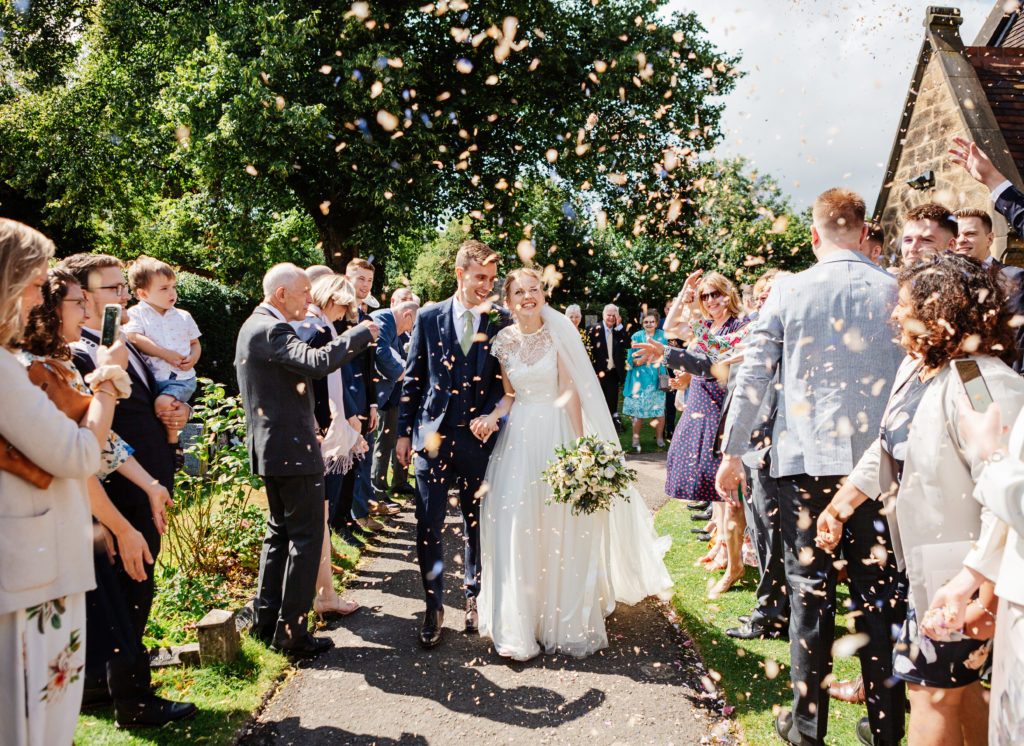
(830, 531)
(975, 162)
(981, 433)
(484, 427)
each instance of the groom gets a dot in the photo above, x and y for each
(450, 380)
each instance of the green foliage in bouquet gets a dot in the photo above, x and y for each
(588, 474)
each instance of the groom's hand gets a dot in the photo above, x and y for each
(482, 428)
(403, 451)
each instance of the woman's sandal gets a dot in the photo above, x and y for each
(347, 607)
(723, 585)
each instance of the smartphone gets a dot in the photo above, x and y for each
(974, 384)
(111, 324)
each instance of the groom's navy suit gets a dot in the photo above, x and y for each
(443, 391)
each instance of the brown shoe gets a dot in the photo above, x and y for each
(848, 691)
(472, 618)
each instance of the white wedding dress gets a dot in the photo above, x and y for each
(549, 578)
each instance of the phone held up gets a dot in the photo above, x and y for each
(974, 384)
(111, 324)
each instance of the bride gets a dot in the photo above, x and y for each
(550, 577)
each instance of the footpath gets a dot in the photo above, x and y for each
(378, 687)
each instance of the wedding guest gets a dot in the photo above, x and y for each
(642, 397)
(710, 305)
(395, 325)
(144, 426)
(360, 377)
(400, 484)
(403, 295)
(167, 336)
(926, 473)
(45, 529)
(315, 271)
(927, 229)
(670, 394)
(842, 303)
(974, 239)
(574, 314)
(1008, 199)
(608, 345)
(873, 242)
(340, 442)
(114, 673)
(1000, 490)
(274, 369)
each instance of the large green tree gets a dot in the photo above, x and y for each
(204, 123)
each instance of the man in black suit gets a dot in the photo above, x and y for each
(1008, 199)
(974, 239)
(274, 370)
(608, 345)
(117, 662)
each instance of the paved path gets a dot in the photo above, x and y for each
(378, 687)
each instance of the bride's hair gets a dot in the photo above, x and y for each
(515, 275)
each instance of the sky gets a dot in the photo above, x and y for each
(825, 84)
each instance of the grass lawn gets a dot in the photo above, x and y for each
(752, 675)
(226, 695)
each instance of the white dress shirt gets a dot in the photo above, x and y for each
(608, 344)
(459, 312)
(998, 191)
(172, 329)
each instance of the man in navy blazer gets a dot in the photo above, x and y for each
(395, 324)
(451, 379)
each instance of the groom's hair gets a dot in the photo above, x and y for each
(475, 251)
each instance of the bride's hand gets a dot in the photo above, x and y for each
(483, 427)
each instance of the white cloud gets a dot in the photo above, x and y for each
(825, 84)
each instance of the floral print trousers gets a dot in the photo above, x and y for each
(42, 657)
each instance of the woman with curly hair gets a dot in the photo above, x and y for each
(950, 308)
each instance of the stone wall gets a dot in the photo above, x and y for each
(935, 121)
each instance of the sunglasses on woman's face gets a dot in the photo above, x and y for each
(711, 296)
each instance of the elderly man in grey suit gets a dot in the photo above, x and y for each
(274, 370)
(824, 332)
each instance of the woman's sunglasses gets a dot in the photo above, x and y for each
(711, 296)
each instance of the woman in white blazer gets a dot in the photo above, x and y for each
(1000, 489)
(950, 307)
(45, 533)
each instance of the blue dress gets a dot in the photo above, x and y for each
(692, 462)
(641, 396)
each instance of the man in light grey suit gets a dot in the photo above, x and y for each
(275, 369)
(825, 333)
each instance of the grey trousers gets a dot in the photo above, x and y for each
(384, 454)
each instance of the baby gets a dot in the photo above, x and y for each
(167, 336)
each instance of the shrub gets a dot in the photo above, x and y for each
(219, 310)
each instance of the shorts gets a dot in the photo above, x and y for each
(180, 388)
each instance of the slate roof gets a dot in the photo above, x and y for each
(1001, 73)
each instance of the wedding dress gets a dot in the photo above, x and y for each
(550, 577)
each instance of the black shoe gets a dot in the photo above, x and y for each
(351, 539)
(472, 618)
(703, 537)
(618, 425)
(307, 647)
(405, 489)
(754, 632)
(704, 515)
(788, 733)
(866, 737)
(151, 713)
(432, 629)
(698, 506)
(697, 531)
(743, 618)
(96, 696)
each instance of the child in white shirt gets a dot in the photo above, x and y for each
(167, 336)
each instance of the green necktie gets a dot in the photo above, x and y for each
(467, 333)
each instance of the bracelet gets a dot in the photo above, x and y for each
(977, 602)
(116, 375)
(111, 394)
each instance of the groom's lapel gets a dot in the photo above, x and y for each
(446, 329)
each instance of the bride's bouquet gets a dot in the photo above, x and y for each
(588, 474)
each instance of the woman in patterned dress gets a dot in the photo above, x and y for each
(642, 398)
(712, 308)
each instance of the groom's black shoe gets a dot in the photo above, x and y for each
(433, 625)
(472, 618)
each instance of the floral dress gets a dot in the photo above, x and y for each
(641, 395)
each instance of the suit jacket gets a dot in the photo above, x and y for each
(315, 333)
(1011, 206)
(426, 389)
(275, 369)
(599, 349)
(825, 333)
(935, 503)
(390, 359)
(135, 421)
(359, 376)
(1012, 280)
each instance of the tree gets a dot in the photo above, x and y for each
(371, 119)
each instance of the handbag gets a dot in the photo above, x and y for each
(663, 382)
(14, 461)
(55, 384)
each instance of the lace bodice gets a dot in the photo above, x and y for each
(530, 362)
